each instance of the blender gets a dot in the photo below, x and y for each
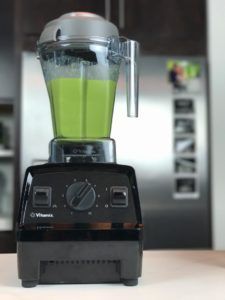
(79, 218)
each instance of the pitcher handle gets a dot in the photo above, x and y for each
(131, 54)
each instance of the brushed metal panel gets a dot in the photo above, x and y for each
(147, 144)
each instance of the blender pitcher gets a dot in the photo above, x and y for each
(81, 54)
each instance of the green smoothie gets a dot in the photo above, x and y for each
(81, 108)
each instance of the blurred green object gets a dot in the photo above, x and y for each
(190, 70)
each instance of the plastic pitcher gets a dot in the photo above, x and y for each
(81, 54)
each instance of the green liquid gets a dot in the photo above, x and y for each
(81, 108)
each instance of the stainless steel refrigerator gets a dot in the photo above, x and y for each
(168, 145)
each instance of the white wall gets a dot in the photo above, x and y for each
(216, 47)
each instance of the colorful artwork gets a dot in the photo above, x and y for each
(183, 75)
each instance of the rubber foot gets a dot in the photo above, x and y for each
(130, 282)
(28, 283)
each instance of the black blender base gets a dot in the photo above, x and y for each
(60, 244)
(65, 263)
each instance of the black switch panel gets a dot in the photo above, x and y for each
(81, 193)
(119, 196)
(41, 196)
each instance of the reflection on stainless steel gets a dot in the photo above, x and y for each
(183, 145)
(183, 105)
(36, 162)
(173, 187)
(184, 125)
(185, 185)
(185, 165)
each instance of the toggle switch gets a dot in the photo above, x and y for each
(119, 196)
(42, 196)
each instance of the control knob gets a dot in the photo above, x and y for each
(80, 196)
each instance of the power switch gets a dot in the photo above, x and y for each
(119, 196)
(42, 196)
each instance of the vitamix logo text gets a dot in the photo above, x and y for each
(41, 215)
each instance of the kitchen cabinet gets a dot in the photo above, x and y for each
(166, 27)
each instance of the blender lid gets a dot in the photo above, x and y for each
(78, 25)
